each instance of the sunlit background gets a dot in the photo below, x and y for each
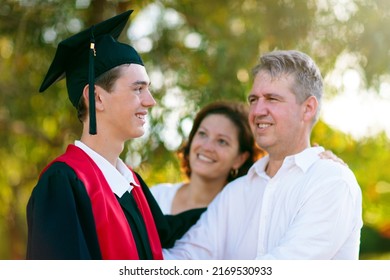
(198, 51)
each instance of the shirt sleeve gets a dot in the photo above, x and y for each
(329, 219)
(203, 240)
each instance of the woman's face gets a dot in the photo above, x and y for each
(214, 150)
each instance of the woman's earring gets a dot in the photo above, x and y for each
(234, 173)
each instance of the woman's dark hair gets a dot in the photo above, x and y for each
(237, 113)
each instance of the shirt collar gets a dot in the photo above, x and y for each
(259, 167)
(120, 178)
(306, 158)
(303, 160)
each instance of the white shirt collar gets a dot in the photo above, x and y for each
(120, 178)
(306, 158)
(303, 160)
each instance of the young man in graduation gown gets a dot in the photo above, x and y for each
(87, 203)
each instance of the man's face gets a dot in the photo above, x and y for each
(275, 117)
(126, 106)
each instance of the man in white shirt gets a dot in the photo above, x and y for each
(291, 204)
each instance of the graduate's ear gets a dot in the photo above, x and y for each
(98, 100)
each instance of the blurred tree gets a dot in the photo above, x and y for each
(368, 159)
(195, 52)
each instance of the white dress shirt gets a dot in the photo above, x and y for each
(164, 194)
(311, 209)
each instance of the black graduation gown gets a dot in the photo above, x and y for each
(61, 222)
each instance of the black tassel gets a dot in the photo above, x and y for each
(91, 83)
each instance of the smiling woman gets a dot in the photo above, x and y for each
(219, 149)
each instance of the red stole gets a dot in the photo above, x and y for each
(114, 234)
(148, 218)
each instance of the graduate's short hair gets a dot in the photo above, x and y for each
(105, 81)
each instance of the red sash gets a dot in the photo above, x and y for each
(149, 221)
(114, 234)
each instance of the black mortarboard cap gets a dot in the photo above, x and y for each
(87, 55)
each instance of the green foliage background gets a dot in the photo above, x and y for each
(35, 128)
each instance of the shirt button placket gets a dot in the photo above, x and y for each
(268, 193)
